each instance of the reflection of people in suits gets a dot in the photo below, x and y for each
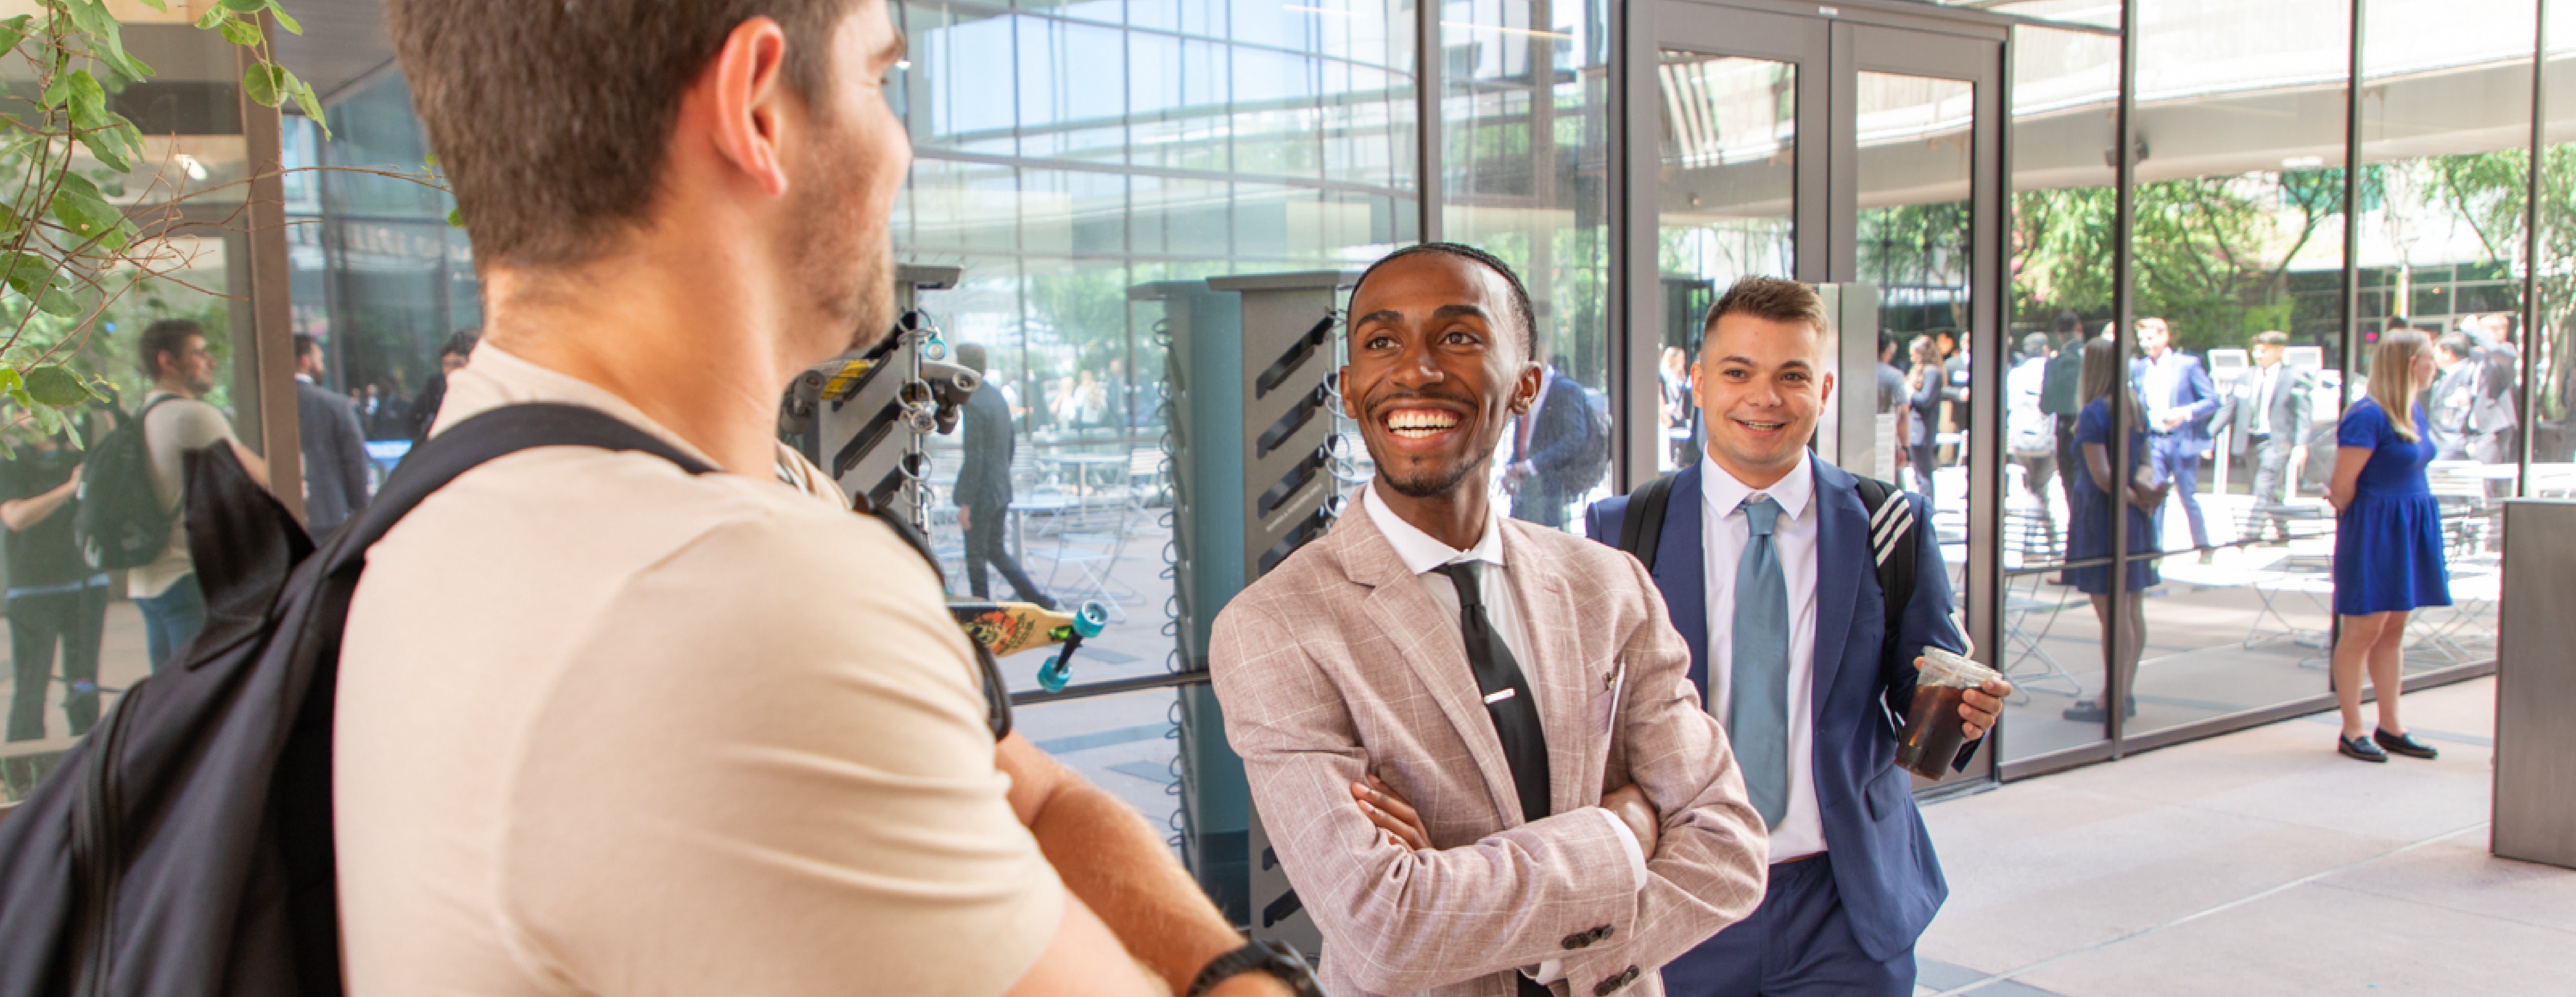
(2270, 418)
(1470, 738)
(334, 447)
(1923, 401)
(1805, 675)
(983, 489)
(1547, 450)
(2180, 399)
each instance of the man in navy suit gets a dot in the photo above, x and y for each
(2179, 398)
(1765, 562)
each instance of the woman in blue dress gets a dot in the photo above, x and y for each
(2097, 492)
(2388, 540)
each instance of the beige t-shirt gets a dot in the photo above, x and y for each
(606, 728)
(170, 430)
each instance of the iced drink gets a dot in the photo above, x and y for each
(1934, 730)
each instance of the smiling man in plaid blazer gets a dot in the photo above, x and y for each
(1471, 738)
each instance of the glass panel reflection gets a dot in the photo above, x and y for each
(1525, 131)
(2065, 95)
(1127, 744)
(1917, 156)
(2446, 139)
(1726, 190)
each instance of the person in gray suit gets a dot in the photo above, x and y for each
(335, 449)
(2268, 411)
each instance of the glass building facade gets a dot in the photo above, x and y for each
(2003, 182)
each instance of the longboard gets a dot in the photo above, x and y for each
(1008, 628)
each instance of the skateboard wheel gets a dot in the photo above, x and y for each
(1054, 674)
(1091, 619)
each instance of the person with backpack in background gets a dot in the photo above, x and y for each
(1558, 452)
(175, 419)
(56, 599)
(1765, 555)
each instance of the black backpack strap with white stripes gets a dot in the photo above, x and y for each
(1892, 549)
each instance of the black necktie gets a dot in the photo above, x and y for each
(1507, 695)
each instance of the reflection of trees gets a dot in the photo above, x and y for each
(2213, 254)
(1919, 247)
(2488, 193)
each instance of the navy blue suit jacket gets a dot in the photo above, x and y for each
(1883, 864)
(2195, 391)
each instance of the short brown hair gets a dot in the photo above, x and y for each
(1770, 299)
(550, 119)
(2274, 338)
(170, 335)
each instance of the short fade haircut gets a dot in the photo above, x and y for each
(461, 344)
(1521, 310)
(2068, 324)
(2457, 344)
(305, 344)
(551, 117)
(1770, 299)
(2272, 338)
(170, 335)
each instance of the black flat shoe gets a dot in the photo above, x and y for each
(2354, 747)
(2404, 744)
(2090, 711)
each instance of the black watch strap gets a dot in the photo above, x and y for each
(1274, 958)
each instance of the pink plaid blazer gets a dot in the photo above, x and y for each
(1338, 665)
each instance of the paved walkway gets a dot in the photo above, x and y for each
(2253, 864)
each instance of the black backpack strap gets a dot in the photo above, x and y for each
(1641, 530)
(1893, 551)
(511, 428)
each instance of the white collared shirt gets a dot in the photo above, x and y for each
(1724, 533)
(1422, 555)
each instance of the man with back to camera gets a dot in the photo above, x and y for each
(983, 489)
(176, 420)
(1431, 699)
(1766, 560)
(2269, 414)
(1548, 458)
(2059, 387)
(335, 448)
(605, 726)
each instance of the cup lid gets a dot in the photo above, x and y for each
(1943, 667)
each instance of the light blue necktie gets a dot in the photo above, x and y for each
(1757, 711)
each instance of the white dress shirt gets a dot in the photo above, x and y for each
(2271, 381)
(2162, 382)
(1423, 555)
(1723, 536)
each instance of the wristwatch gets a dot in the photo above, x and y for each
(1272, 957)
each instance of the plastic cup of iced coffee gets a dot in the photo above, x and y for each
(1934, 730)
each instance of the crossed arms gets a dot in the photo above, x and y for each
(1399, 919)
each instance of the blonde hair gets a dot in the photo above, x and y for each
(2392, 378)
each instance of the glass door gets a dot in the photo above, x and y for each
(1829, 151)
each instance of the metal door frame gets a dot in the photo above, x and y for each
(1830, 46)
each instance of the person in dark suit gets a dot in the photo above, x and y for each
(1548, 459)
(423, 413)
(2059, 385)
(2180, 400)
(1923, 382)
(1765, 560)
(2270, 419)
(335, 448)
(983, 490)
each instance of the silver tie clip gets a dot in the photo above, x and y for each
(1500, 696)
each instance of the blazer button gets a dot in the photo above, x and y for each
(1578, 940)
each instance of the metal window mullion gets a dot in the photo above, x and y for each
(2115, 692)
(2526, 401)
(1426, 129)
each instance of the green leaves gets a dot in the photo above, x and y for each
(265, 82)
(13, 31)
(54, 385)
(78, 205)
